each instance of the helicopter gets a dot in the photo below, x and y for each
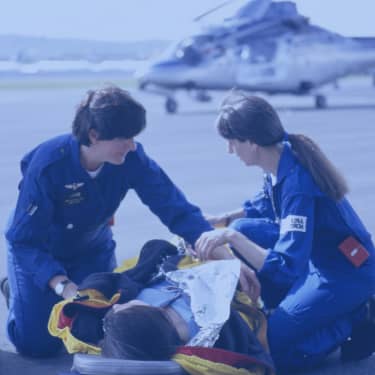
(258, 46)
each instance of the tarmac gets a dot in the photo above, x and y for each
(187, 146)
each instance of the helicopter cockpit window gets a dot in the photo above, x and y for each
(189, 55)
(193, 50)
(189, 51)
(259, 52)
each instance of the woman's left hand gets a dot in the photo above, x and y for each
(208, 241)
(70, 290)
(249, 282)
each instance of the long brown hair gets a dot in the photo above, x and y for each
(251, 118)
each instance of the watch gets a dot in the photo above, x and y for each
(60, 286)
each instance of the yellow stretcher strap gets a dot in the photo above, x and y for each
(72, 344)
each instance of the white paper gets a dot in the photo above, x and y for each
(211, 287)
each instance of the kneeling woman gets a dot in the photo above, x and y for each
(313, 256)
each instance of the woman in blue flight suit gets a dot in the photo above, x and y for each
(71, 187)
(313, 256)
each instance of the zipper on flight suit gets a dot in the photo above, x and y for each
(269, 192)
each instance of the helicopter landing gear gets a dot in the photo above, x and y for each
(171, 105)
(320, 102)
(202, 96)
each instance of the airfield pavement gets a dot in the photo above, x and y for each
(187, 147)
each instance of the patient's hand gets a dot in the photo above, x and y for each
(249, 282)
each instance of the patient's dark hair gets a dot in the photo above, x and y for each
(112, 112)
(251, 118)
(139, 333)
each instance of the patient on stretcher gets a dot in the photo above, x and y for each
(188, 307)
(167, 308)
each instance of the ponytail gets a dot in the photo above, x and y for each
(324, 173)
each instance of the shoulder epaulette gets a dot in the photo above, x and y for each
(46, 154)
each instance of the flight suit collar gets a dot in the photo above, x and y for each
(76, 158)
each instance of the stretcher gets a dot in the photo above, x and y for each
(85, 364)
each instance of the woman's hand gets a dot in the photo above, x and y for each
(224, 219)
(209, 241)
(249, 282)
(70, 290)
(217, 220)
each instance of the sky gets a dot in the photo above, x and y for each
(126, 20)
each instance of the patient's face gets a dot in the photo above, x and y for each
(124, 306)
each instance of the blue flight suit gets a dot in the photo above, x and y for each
(317, 292)
(61, 227)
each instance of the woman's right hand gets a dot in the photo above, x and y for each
(217, 221)
(224, 219)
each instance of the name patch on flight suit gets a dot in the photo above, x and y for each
(76, 196)
(293, 223)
